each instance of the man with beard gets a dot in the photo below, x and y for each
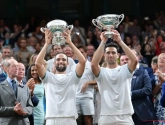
(50, 65)
(60, 87)
(113, 82)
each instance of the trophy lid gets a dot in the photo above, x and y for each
(56, 23)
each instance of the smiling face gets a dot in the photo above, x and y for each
(61, 62)
(21, 70)
(124, 59)
(111, 55)
(68, 51)
(34, 73)
(161, 60)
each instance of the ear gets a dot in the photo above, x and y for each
(6, 69)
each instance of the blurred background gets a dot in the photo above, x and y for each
(42, 11)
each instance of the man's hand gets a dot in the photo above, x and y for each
(66, 35)
(116, 36)
(48, 36)
(103, 37)
(96, 87)
(18, 109)
(84, 87)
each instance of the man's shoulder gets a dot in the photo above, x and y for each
(70, 60)
(3, 82)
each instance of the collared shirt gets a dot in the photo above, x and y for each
(9, 81)
(138, 66)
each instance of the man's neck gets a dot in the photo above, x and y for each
(112, 66)
(11, 77)
(19, 80)
(60, 72)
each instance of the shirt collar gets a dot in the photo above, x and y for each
(9, 79)
(138, 66)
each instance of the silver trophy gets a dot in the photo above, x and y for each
(57, 27)
(108, 22)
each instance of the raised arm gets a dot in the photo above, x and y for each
(132, 58)
(81, 59)
(40, 59)
(98, 55)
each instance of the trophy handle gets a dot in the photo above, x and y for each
(43, 29)
(70, 27)
(95, 23)
(122, 17)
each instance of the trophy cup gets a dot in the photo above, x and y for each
(57, 27)
(108, 22)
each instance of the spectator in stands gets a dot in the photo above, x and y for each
(30, 84)
(157, 91)
(90, 52)
(6, 52)
(38, 91)
(23, 55)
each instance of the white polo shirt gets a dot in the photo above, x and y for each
(115, 88)
(86, 77)
(60, 91)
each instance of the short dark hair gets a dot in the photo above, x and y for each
(155, 60)
(82, 47)
(61, 53)
(91, 45)
(6, 47)
(112, 44)
(55, 45)
(122, 54)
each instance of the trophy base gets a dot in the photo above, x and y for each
(108, 34)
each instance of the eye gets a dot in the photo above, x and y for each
(63, 59)
(58, 59)
(107, 52)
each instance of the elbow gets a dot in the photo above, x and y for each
(83, 61)
(135, 61)
(93, 65)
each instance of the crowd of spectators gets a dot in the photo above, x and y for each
(146, 37)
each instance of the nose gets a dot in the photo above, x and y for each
(110, 54)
